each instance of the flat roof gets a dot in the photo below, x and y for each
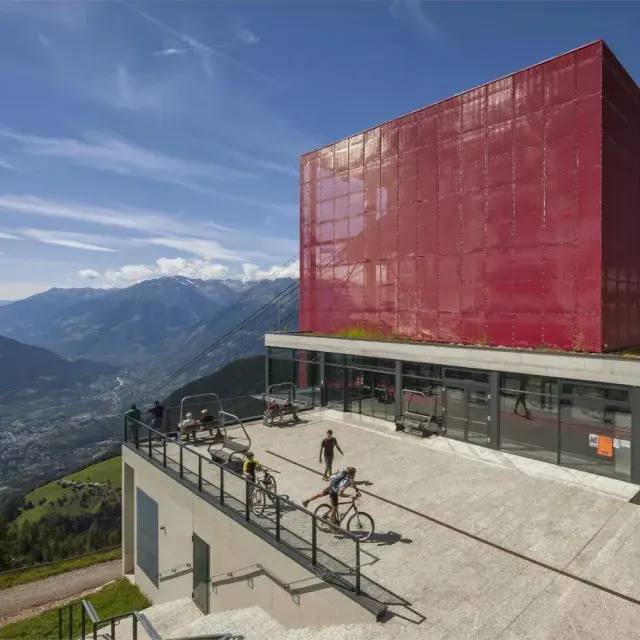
(480, 543)
(604, 368)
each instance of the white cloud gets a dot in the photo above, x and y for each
(254, 272)
(169, 51)
(6, 165)
(412, 11)
(8, 236)
(89, 274)
(123, 218)
(205, 53)
(107, 153)
(208, 249)
(198, 269)
(246, 36)
(66, 239)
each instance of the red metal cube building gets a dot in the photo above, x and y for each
(507, 215)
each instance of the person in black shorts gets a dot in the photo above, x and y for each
(326, 448)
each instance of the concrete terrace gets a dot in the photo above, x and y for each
(483, 544)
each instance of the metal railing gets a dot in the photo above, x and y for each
(245, 407)
(90, 624)
(332, 552)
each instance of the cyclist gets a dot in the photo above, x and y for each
(250, 466)
(337, 485)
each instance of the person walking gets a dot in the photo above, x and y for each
(326, 448)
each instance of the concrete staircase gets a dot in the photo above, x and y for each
(182, 619)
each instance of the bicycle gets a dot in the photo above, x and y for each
(265, 489)
(360, 523)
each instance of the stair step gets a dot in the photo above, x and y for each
(252, 623)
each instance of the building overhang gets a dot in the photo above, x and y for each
(593, 368)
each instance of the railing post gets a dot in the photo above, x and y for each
(248, 490)
(277, 518)
(199, 473)
(164, 452)
(181, 463)
(150, 451)
(136, 433)
(83, 623)
(314, 541)
(95, 631)
(221, 486)
(59, 623)
(135, 627)
(357, 566)
(126, 429)
(113, 629)
(70, 622)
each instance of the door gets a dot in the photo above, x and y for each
(201, 574)
(466, 414)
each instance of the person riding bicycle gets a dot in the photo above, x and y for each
(338, 483)
(250, 466)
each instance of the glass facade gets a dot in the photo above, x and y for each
(580, 425)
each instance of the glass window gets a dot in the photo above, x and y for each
(529, 421)
(529, 384)
(595, 436)
(594, 392)
(336, 359)
(384, 396)
(334, 383)
(428, 399)
(370, 363)
(417, 369)
(284, 354)
(467, 374)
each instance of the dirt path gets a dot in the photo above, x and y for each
(51, 591)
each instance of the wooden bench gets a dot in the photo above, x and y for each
(233, 448)
(280, 413)
(193, 429)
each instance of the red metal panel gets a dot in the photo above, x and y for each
(620, 205)
(479, 220)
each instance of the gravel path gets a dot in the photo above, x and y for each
(56, 588)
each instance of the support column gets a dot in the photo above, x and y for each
(128, 520)
(398, 400)
(321, 371)
(493, 428)
(634, 402)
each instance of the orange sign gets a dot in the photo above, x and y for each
(605, 446)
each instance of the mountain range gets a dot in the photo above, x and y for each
(37, 370)
(159, 322)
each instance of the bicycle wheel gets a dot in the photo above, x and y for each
(361, 524)
(258, 502)
(270, 485)
(322, 513)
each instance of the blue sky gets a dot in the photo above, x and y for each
(151, 138)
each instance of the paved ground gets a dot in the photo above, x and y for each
(34, 595)
(484, 544)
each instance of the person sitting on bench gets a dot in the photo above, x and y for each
(187, 426)
(289, 407)
(207, 421)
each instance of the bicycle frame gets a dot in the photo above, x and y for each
(352, 506)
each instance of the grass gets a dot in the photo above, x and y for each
(109, 473)
(39, 573)
(113, 600)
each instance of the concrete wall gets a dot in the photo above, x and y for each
(128, 520)
(603, 369)
(233, 548)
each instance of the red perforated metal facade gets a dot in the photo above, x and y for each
(479, 220)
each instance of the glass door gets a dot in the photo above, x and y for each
(385, 395)
(455, 403)
(367, 400)
(201, 574)
(477, 416)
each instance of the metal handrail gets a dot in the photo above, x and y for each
(234, 419)
(144, 446)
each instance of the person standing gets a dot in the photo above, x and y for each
(157, 411)
(326, 447)
(133, 414)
